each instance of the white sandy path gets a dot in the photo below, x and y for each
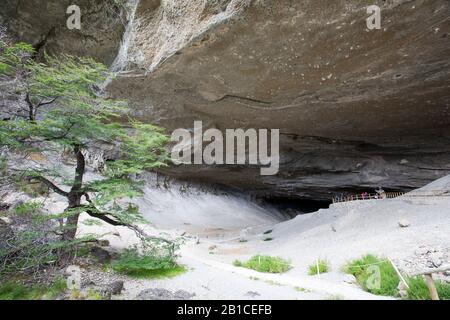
(343, 232)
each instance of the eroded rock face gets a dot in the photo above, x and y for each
(356, 108)
(42, 23)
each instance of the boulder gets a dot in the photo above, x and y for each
(113, 288)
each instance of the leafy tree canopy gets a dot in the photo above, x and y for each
(65, 111)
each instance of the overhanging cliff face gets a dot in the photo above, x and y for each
(356, 108)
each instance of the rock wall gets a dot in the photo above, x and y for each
(42, 23)
(356, 108)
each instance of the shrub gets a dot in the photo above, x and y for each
(418, 289)
(31, 242)
(146, 264)
(265, 264)
(324, 267)
(362, 270)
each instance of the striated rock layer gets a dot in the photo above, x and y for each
(356, 108)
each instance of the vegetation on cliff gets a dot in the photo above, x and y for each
(65, 112)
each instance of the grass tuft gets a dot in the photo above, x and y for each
(418, 289)
(389, 279)
(324, 267)
(134, 264)
(17, 291)
(366, 271)
(265, 264)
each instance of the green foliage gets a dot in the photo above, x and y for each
(28, 208)
(146, 264)
(324, 267)
(418, 289)
(34, 242)
(360, 268)
(14, 57)
(17, 291)
(68, 111)
(33, 189)
(265, 264)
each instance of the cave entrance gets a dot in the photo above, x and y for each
(294, 207)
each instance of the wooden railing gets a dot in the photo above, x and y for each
(390, 195)
(371, 196)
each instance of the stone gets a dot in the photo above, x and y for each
(423, 250)
(103, 243)
(164, 294)
(252, 294)
(4, 206)
(403, 223)
(435, 260)
(113, 288)
(6, 220)
(349, 278)
(101, 255)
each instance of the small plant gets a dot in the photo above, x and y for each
(418, 289)
(321, 266)
(265, 264)
(273, 283)
(17, 291)
(34, 190)
(365, 271)
(146, 264)
(28, 208)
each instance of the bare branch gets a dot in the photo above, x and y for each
(52, 186)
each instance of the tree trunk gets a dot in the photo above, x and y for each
(75, 194)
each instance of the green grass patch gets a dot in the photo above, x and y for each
(265, 264)
(17, 291)
(366, 271)
(418, 289)
(324, 267)
(134, 264)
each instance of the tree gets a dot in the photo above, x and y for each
(67, 112)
